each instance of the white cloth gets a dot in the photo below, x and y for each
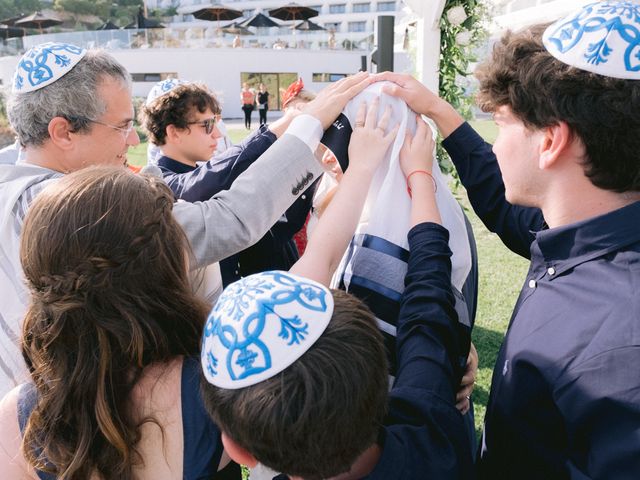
(387, 208)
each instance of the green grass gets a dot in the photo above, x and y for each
(501, 274)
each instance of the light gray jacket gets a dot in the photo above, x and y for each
(229, 222)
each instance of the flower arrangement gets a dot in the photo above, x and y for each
(462, 28)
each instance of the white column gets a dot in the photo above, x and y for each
(428, 40)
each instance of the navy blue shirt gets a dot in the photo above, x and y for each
(565, 394)
(276, 250)
(424, 436)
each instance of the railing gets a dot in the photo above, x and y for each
(194, 37)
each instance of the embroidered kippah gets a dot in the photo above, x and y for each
(44, 64)
(260, 325)
(601, 37)
(160, 88)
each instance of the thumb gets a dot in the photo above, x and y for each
(395, 90)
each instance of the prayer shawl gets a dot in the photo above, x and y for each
(19, 184)
(374, 266)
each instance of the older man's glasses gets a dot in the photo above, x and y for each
(125, 129)
(207, 124)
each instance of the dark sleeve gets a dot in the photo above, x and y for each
(219, 173)
(600, 404)
(424, 434)
(480, 174)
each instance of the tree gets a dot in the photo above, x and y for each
(12, 8)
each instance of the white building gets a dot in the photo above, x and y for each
(197, 50)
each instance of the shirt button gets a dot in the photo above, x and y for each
(304, 197)
(551, 271)
(532, 283)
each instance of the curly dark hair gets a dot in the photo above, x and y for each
(603, 112)
(175, 108)
(327, 407)
(106, 264)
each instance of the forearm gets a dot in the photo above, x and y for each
(335, 230)
(423, 200)
(237, 218)
(446, 118)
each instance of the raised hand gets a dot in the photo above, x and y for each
(417, 151)
(421, 100)
(416, 162)
(331, 101)
(369, 143)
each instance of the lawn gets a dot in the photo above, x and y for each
(501, 276)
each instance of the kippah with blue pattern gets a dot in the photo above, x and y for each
(160, 88)
(260, 325)
(44, 64)
(601, 37)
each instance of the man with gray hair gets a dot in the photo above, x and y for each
(72, 108)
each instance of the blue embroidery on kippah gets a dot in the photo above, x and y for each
(36, 65)
(247, 354)
(168, 84)
(567, 35)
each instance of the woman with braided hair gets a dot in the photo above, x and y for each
(110, 338)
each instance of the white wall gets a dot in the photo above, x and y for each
(220, 68)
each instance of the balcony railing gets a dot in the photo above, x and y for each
(193, 37)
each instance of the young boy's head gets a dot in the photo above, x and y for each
(184, 115)
(296, 375)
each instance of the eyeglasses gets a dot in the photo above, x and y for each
(126, 130)
(208, 124)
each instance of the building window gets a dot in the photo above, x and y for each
(357, 26)
(335, 26)
(317, 8)
(276, 83)
(386, 6)
(247, 13)
(327, 77)
(337, 8)
(361, 7)
(152, 77)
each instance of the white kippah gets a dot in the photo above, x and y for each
(260, 325)
(160, 88)
(601, 37)
(44, 64)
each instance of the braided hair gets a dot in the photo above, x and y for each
(106, 264)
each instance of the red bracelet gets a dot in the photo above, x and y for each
(435, 185)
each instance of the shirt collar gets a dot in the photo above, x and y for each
(589, 238)
(174, 166)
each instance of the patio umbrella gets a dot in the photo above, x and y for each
(308, 26)
(293, 11)
(216, 12)
(10, 32)
(108, 26)
(12, 20)
(37, 20)
(259, 20)
(237, 29)
(144, 22)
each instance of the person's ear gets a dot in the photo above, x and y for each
(237, 453)
(172, 134)
(555, 141)
(60, 133)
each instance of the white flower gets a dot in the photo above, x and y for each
(456, 15)
(463, 38)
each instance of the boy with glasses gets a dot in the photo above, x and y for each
(181, 121)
